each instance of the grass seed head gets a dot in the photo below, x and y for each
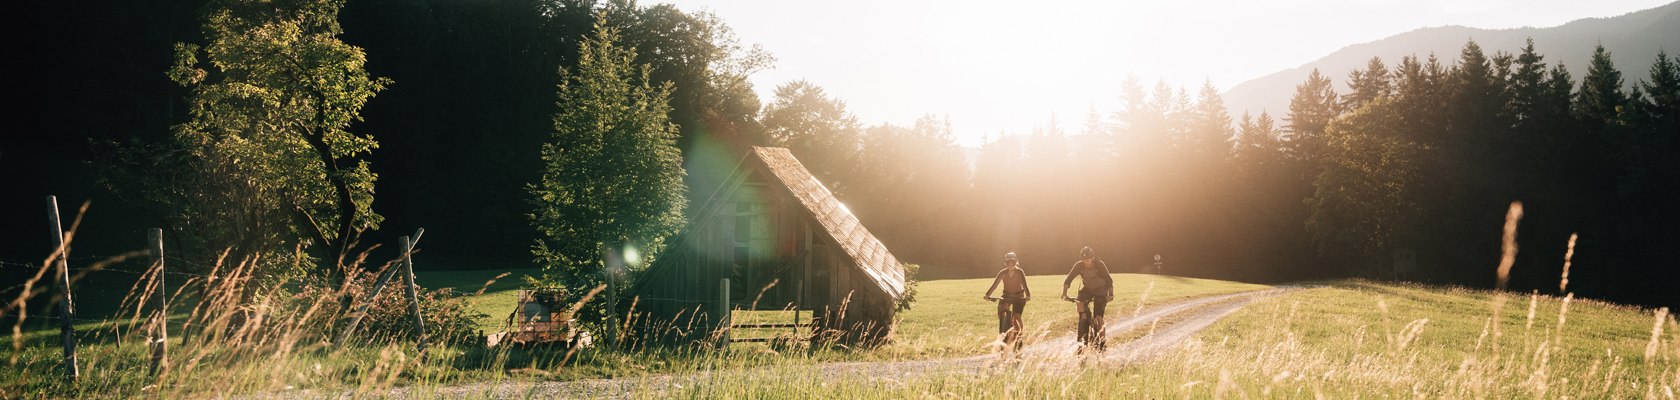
(1563, 283)
(1509, 246)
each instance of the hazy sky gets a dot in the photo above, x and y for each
(996, 66)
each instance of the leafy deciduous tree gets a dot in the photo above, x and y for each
(269, 137)
(817, 129)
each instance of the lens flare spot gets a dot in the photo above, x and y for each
(632, 256)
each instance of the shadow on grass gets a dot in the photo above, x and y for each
(557, 362)
(1424, 293)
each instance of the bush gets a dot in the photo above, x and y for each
(909, 298)
(445, 314)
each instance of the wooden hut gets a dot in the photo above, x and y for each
(784, 242)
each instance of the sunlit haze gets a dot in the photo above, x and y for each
(1008, 66)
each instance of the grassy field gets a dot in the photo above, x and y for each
(950, 318)
(1344, 339)
(1359, 338)
(500, 293)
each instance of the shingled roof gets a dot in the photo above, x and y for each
(866, 251)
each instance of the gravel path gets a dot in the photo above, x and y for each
(1164, 327)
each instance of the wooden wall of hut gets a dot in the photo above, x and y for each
(776, 256)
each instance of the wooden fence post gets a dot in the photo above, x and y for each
(799, 294)
(614, 260)
(373, 294)
(612, 309)
(66, 309)
(723, 313)
(160, 306)
(413, 295)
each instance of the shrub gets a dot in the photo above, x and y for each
(445, 315)
(909, 298)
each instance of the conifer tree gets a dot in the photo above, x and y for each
(1257, 141)
(612, 177)
(1477, 97)
(1310, 111)
(1528, 85)
(1601, 97)
(1135, 114)
(1421, 94)
(1368, 84)
(1663, 90)
(1362, 202)
(1210, 135)
(1560, 92)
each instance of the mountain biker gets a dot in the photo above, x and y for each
(1015, 296)
(1095, 291)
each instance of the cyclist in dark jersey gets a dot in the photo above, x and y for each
(1095, 291)
(1015, 296)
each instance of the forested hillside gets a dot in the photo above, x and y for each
(1633, 36)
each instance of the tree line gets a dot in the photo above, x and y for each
(1406, 173)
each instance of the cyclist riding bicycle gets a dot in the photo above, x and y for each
(1096, 290)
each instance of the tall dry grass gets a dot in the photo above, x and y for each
(249, 336)
(233, 330)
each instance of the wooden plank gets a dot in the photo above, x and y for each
(752, 340)
(768, 326)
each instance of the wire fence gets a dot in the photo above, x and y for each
(142, 262)
(174, 260)
(112, 321)
(110, 268)
(9, 313)
(149, 268)
(127, 267)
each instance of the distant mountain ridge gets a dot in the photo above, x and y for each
(1633, 40)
